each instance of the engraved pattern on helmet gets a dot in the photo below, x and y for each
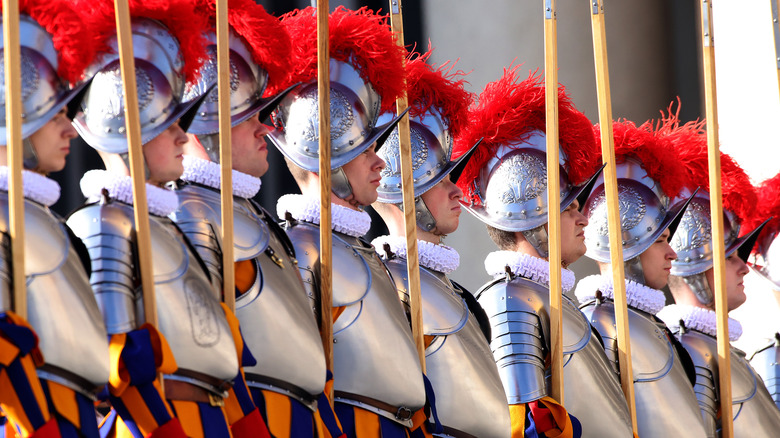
(526, 179)
(209, 75)
(392, 156)
(694, 230)
(632, 210)
(205, 330)
(341, 114)
(112, 105)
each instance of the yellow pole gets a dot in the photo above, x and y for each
(407, 184)
(613, 211)
(716, 212)
(326, 238)
(137, 173)
(225, 156)
(13, 123)
(553, 197)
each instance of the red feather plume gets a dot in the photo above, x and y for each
(362, 38)
(184, 21)
(263, 34)
(508, 111)
(73, 37)
(768, 194)
(440, 88)
(690, 142)
(656, 154)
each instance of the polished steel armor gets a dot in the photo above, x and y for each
(44, 94)
(61, 308)
(160, 82)
(766, 362)
(665, 402)
(276, 320)
(192, 322)
(518, 310)
(469, 395)
(372, 326)
(645, 212)
(354, 110)
(247, 84)
(755, 413)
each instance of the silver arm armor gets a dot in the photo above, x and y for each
(520, 327)
(107, 232)
(705, 360)
(766, 362)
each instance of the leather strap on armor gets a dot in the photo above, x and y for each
(179, 390)
(401, 413)
(276, 385)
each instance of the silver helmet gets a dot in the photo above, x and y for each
(432, 145)
(354, 111)
(512, 188)
(44, 93)
(645, 212)
(160, 84)
(693, 244)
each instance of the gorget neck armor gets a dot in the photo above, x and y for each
(161, 202)
(440, 258)
(638, 295)
(697, 318)
(527, 266)
(208, 173)
(345, 220)
(35, 186)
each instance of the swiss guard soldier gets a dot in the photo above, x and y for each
(287, 378)
(56, 48)
(196, 345)
(649, 175)
(693, 317)
(759, 314)
(378, 379)
(505, 187)
(470, 397)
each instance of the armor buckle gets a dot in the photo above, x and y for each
(215, 400)
(403, 413)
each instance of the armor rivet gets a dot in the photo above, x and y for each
(649, 228)
(306, 252)
(687, 259)
(335, 340)
(336, 149)
(636, 238)
(658, 219)
(624, 242)
(428, 172)
(398, 185)
(108, 130)
(522, 212)
(701, 256)
(538, 208)
(362, 132)
(351, 142)
(306, 149)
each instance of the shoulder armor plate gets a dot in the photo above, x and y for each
(444, 311)
(766, 362)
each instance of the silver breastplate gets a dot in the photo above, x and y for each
(469, 395)
(766, 362)
(753, 409)
(372, 326)
(519, 315)
(658, 374)
(189, 313)
(60, 305)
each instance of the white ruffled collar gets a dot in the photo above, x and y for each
(344, 220)
(440, 258)
(161, 202)
(638, 295)
(35, 186)
(699, 319)
(524, 265)
(209, 174)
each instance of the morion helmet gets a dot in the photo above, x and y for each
(168, 47)
(693, 239)
(649, 179)
(505, 181)
(366, 76)
(766, 253)
(438, 113)
(57, 46)
(259, 63)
